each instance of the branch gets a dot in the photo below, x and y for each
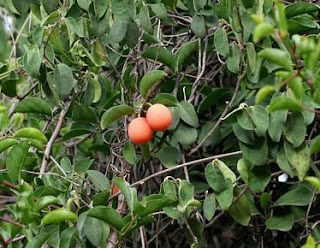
(196, 148)
(50, 143)
(199, 161)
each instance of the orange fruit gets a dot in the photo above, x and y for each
(139, 131)
(115, 190)
(159, 117)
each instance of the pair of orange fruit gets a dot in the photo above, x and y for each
(158, 118)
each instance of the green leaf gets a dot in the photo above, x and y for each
(6, 143)
(314, 147)
(188, 114)
(79, 128)
(166, 99)
(45, 201)
(280, 103)
(299, 158)
(263, 93)
(169, 156)
(233, 60)
(277, 120)
(108, 215)
(198, 26)
(38, 241)
(209, 206)
(58, 215)
(258, 178)
(160, 10)
(129, 153)
(298, 196)
(260, 119)
(15, 160)
(100, 7)
(96, 230)
(283, 162)
(149, 80)
(67, 237)
(299, 8)
(124, 10)
(278, 57)
(247, 3)
(31, 133)
(22, 6)
(314, 181)
(251, 56)
(240, 211)
(64, 80)
(184, 53)
(129, 193)
(295, 129)
(154, 203)
(161, 54)
(221, 42)
(144, 18)
(283, 222)
(185, 134)
(225, 197)
(118, 31)
(262, 30)
(32, 61)
(132, 35)
(250, 152)
(84, 4)
(33, 105)
(114, 113)
(49, 5)
(99, 180)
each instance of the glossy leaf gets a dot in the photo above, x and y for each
(161, 54)
(149, 80)
(108, 215)
(209, 207)
(115, 113)
(15, 160)
(6, 143)
(129, 153)
(298, 196)
(188, 114)
(284, 103)
(31, 133)
(64, 80)
(165, 99)
(99, 180)
(183, 53)
(221, 42)
(283, 222)
(59, 215)
(198, 26)
(278, 57)
(33, 105)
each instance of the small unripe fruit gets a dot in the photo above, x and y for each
(159, 117)
(139, 131)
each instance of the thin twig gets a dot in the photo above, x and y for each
(51, 141)
(229, 104)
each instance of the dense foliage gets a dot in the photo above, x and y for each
(237, 166)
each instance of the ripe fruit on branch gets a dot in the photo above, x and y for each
(159, 117)
(139, 131)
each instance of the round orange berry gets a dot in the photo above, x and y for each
(159, 117)
(139, 131)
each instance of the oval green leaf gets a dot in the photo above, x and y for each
(114, 113)
(31, 133)
(149, 80)
(33, 105)
(59, 215)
